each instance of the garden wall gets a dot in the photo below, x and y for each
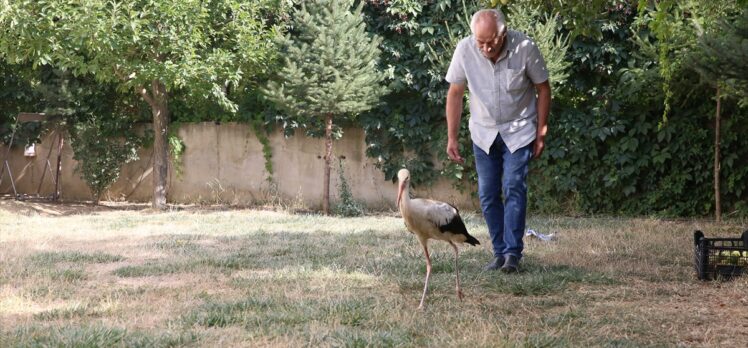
(223, 163)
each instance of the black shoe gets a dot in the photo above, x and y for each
(495, 264)
(511, 263)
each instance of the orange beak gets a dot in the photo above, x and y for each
(401, 189)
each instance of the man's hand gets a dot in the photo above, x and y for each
(537, 149)
(453, 151)
(544, 107)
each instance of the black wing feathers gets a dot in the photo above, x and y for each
(456, 226)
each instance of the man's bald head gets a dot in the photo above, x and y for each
(491, 19)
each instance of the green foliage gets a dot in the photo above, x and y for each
(261, 116)
(176, 150)
(676, 26)
(101, 148)
(329, 71)
(408, 128)
(580, 18)
(544, 29)
(95, 115)
(198, 48)
(149, 47)
(267, 150)
(17, 94)
(673, 36)
(347, 206)
(330, 63)
(722, 55)
(609, 152)
(201, 47)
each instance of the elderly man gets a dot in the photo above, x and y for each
(510, 98)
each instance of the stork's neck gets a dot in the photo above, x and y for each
(405, 199)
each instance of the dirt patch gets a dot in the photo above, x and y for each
(41, 207)
(50, 208)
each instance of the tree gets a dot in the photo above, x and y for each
(330, 70)
(722, 55)
(99, 120)
(101, 148)
(580, 17)
(17, 94)
(148, 47)
(689, 37)
(722, 59)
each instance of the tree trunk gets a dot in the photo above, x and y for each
(717, 140)
(328, 160)
(160, 109)
(58, 167)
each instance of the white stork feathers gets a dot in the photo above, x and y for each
(430, 219)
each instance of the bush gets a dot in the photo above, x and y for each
(101, 147)
(346, 206)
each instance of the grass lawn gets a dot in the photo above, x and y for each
(113, 277)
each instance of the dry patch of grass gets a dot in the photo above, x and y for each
(261, 278)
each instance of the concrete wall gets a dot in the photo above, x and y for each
(223, 163)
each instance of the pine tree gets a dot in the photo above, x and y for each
(722, 59)
(722, 55)
(330, 69)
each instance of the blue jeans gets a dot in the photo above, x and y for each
(500, 170)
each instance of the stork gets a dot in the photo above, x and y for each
(429, 219)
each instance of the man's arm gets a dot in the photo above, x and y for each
(454, 113)
(544, 108)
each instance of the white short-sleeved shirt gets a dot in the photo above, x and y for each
(502, 95)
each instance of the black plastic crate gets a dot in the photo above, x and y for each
(720, 257)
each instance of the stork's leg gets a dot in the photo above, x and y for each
(457, 271)
(428, 272)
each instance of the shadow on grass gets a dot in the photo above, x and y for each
(373, 253)
(355, 319)
(282, 250)
(535, 279)
(362, 252)
(61, 266)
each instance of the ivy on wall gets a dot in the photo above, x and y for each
(176, 149)
(267, 151)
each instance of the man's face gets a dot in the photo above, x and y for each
(488, 38)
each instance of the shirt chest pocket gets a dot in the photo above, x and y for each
(515, 80)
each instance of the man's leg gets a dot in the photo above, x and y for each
(489, 167)
(514, 184)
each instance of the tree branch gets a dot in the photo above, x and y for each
(144, 92)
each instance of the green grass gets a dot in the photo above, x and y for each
(57, 266)
(73, 312)
(69, 275)
(179, 244)
(260, 278)
(51, 258)
(536, 280)
(152, 269)
(92, 336)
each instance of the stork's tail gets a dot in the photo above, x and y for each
(471, 240)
